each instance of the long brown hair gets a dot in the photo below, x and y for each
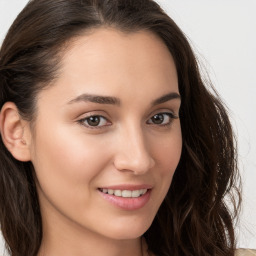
(194, 218)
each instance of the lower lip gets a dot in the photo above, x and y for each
(128, 203)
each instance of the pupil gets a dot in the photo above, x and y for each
(94, 120)
(158, 119)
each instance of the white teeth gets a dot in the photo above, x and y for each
(125, 193)
(110, 191)
(143, 191)
(136, 193)
(118, 192)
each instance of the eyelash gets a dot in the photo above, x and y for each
(170, 115)
(86, 119)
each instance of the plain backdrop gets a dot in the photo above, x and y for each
(223, 35)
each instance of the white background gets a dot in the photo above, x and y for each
(223, 35)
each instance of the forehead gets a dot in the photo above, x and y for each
(113, 40)
(107, 51)
(110, 62)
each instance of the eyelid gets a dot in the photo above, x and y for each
(169, 113)
(82, 120)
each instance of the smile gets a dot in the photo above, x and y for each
(124, 193)
(128, 197)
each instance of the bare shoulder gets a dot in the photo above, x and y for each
(245, 252)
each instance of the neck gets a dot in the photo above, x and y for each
(76, 246)
(67, 238)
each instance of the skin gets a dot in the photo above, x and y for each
(73, 159)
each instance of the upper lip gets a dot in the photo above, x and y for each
(128, 187)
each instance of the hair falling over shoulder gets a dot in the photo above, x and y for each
(198, 214)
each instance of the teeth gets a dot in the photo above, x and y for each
(125, 193)
(136, 193)
(118, 193)
(110, 191)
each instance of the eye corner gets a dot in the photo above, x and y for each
(94, 121)
(162, 118)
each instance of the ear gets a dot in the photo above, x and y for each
(15, 132)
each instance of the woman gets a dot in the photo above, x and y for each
(111, 144)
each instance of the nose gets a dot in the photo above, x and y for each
(133, 151)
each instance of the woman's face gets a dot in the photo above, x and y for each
(109, 124)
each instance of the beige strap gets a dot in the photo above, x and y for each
(245, 252)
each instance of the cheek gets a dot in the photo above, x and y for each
(65, 162)
(167, 155)
(168, 152)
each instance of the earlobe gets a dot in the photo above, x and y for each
(15, 132)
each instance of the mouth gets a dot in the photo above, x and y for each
(124, 193)
(127, 197)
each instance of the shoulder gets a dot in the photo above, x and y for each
(245, 252)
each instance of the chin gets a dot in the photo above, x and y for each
(130, 229)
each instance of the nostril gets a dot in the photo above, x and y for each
(136, 165)
(133, 153)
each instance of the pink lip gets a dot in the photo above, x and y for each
(130, 203)
(129, 187)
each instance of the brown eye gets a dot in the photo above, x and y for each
(94, 121)
(158, 118)
(162, 119)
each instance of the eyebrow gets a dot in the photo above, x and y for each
(96, 99)
(165, 98)
(115, 101)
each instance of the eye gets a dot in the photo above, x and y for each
(94, 121)
(162, 119)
